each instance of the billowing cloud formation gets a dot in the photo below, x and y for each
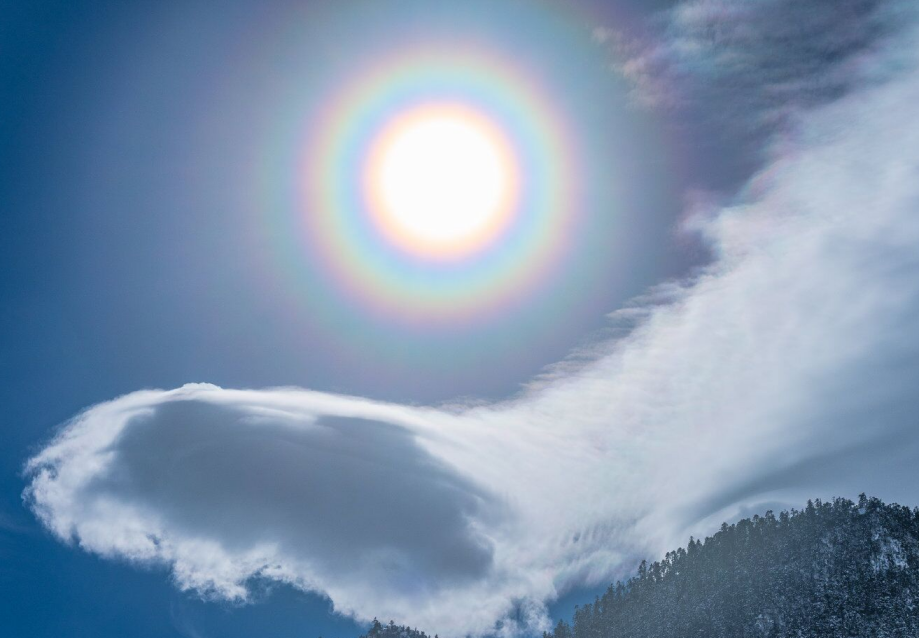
(380, 508)
(784, 371)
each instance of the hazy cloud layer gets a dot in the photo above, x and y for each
(768, 58)
(784, 371)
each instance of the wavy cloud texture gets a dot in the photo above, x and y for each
(785, 370)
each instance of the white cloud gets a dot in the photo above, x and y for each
(786, 370)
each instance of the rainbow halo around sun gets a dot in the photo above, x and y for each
(439, 186)
(456, 188)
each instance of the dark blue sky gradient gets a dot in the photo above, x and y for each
(123, 267)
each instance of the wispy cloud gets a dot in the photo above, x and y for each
(763, 59)
(786, 370)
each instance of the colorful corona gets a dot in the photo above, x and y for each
(361, 220)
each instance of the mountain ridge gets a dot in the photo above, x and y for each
(835, 569)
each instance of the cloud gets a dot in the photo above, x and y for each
(785, 370)
(366, 500)
(752, 66)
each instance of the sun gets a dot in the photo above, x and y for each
(441, 180)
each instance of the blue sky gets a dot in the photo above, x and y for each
(115, 277)
(741, 336)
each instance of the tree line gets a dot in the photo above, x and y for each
(836, 569)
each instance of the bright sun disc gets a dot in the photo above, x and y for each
(441, 180)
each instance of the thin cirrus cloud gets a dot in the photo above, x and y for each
(785, 370)
(757, 61)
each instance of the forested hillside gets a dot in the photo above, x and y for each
(379, 630)
(836, 569)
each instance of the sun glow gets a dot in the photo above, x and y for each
(440, 188)
(441, 181)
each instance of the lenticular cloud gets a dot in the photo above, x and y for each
(785, 371)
